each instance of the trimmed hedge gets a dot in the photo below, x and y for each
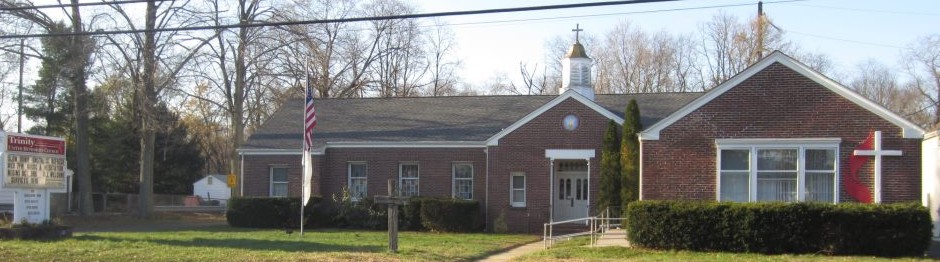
(772, 228)
(421, 213)
(263, 212)
(451, 215)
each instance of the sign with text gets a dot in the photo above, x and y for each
(31, 206)
(33, 162)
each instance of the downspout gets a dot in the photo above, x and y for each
(241, 179)
(640, 139)
(486, 193)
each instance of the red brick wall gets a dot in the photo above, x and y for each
(434, 170)
(774, 103)
(523, 150)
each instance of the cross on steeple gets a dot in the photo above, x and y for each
(577, 29)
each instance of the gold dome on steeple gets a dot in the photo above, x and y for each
(577, 51)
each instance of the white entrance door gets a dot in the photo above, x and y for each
(571, 191)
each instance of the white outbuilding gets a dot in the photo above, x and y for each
(212, 187)
(931, 179)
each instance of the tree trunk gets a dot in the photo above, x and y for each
(147, 123)
(81, 113)
(238, 95)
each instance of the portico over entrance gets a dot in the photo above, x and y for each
(570, 183)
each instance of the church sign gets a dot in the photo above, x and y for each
(32, 167)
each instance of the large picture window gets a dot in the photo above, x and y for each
(463, 180)
(408, 179)
(785, 172)
(278, 182)
(358, 180)
(517, 196)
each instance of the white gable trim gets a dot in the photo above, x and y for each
(910, 130)
(494, 140)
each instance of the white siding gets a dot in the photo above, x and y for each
(931, 179)
(218, 190)
(6, 197)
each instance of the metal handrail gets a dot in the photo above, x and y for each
(598, 225)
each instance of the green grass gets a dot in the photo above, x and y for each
(222, 243)
(577, 250)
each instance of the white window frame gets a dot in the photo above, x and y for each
(512, 189)
(401, 178)
(454, 179)
(801, 145)
(271, 181)
(349, 180)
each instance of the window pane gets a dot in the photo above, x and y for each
(409, 171)
(279, 189)
(776, 159)
(463, 188)
(357, 187)
(518, 196)
(357, 170)
(409, 187)
(463, 171)
(819, 186)
(820, 159)
(518, 182)
(776, 186)
(735, 159)
(279, 174)
(734, 186)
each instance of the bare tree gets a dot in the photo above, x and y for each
(441, 63)
(880, 84)
(400, 67)
(152, 61)
(79, 48)
(922, 63)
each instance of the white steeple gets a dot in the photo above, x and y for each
(576, 69)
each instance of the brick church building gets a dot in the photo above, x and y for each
(777, 131)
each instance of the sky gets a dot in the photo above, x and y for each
(847, 31)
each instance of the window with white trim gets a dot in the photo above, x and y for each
(408, 179)
(463, 180)
(278, 181)
(358, 180)
(517, 185)
(778, 172)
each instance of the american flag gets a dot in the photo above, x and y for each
(310, 119)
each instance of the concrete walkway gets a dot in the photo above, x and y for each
(613, 238)
(515, 252)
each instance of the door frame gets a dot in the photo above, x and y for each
(567, 154)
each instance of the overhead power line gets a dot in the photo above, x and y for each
(346, 20)
(29, 7)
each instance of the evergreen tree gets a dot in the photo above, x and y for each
(630, 154)
(48, 102)
(609, 195)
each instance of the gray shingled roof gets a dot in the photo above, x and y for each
(429, 119)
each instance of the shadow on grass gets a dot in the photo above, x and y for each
(247, 244)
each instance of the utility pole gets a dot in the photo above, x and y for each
(19, 98)
(760, 31)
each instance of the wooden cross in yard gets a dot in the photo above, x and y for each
(392, 200)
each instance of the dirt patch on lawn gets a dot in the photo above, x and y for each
(161, 221)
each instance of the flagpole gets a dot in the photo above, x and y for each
(303, 146)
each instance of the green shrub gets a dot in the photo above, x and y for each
(884, 230)
(258, 212)
(451, 215)
(410, 214)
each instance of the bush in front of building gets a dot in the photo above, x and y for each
(773, 228)
(270, 212)
(451, 215)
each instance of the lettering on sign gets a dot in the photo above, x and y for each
(34, 171)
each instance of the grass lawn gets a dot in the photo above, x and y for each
(576, 250)
(223, 243)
